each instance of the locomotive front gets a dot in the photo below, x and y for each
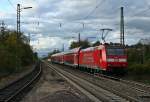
(116, 58)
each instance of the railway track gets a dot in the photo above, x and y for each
(139, 86)
(127, 89)
(132, 84)
(11, 92)
(93, 91)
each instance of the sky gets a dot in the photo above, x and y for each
(54, 23)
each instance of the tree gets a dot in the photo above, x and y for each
(53, 52)
(96, 43)
(83, 44)
(14, 52)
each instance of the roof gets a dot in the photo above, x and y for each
(88, 49)
(58, 54)
(75, 50)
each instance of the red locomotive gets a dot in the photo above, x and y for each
(106, 58)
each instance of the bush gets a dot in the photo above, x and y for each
(140, 68)
(9, 63)
(14, 53)
(139, 59)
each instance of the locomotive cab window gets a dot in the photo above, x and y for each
(115, 51)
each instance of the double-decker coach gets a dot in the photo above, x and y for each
(71, 57)
(57, 58)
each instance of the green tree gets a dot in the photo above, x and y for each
(14, 52)
(139, 58)
(53, 52)
(83, 44)
(96, 43)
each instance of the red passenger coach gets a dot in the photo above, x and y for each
(71, 57)
(108, 58)
(57, 58)
(68, 58)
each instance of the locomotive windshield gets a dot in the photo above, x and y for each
(115, 51)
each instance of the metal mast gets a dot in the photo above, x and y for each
(122, 28)
(18, 20)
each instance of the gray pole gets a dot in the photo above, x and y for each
(18, 20)
(63, 47)
(79, 50)
(122, 28)
(3, 28)
(29, 38)
(18, 32)
(79, 38)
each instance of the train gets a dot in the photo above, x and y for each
(104, 58)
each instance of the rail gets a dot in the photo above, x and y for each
(131, 91)
(93, 91)
(11, 91)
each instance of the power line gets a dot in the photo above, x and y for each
(101, 2)
(11, 4)
(140, 12)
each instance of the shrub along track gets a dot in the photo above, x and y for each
(130, 90)
(15, 90)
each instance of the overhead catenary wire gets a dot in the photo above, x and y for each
(14, 7)
(92, 11)
(126, 38)
(137, 13)
(140, 12)
(11, 4)
(87, 16)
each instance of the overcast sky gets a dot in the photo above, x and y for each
(52, 23)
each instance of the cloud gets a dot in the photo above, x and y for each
(49, 21)
(2, 14)
(50, 43)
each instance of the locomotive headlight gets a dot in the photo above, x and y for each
(110, 60)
